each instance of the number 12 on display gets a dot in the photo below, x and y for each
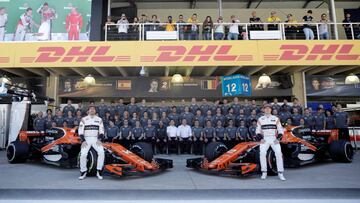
(236, 85)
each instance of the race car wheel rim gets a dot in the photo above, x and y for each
(10, 152)
(348, 151)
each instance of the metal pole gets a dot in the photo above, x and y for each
(352, 31)
(304, 88)
(219, 7)
(109, 8)
(106, 31)
(333, 17)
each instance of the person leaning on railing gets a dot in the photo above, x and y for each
(290, 28)
(323, 27)
(273, 19)
(193, 28)
(134, 29)
(219, 32)
(207, 27)
(181, 27)
(255, 19)
(109, 28)
(170, 25)
(123, 26)
(309, 33)
(347, 27)
(233, 29)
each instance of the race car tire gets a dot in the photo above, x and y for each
(341, 151)
(91, 162)
(215, 149)
(17, 152)
(144, 150)
(271, 163)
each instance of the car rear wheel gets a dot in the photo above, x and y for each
(341, 151)
(214, 150)
(91, 162)
(271, 163)
(17, 152)
(143, 150)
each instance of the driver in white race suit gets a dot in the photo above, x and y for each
(91, 131)
(270, 129)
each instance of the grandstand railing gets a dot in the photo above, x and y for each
(184, 31)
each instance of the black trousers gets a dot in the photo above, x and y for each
(185, 145)
(198, 147)
(161, 146)
(344, 134)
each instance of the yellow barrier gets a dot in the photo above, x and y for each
(179, 53)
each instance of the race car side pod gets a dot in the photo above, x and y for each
(135, 164)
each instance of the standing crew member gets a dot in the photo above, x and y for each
(74, 23)
(269, 127)
(91, 131)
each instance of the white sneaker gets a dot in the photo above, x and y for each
(82, 175)
(281, 176)
(98, 174)
(263, 176)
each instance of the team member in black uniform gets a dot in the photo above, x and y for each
(198, 138)
(161, 140)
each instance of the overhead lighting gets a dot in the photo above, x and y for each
(5, 79)
(89, 80)
(177, 78)
(264, 80)
(142, 71)
(352, 79)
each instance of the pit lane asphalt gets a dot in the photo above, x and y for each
(327, 180)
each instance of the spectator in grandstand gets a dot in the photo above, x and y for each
(182, 27)
(170, 24)
(233, 28)
(309, 33)
(290, 28)
(108, 24)
(254, 19)
(347, 27)
(193, 27)
(134, 29)
(3, 22)
(123, 26)
(219, 31)
(273, 19)
(155, 23)
(323, 27)
(207, 27)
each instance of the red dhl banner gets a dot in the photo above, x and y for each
(180, 53)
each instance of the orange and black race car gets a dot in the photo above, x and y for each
(299, 146)
(61, 147)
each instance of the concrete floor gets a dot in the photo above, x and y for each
(322, 180)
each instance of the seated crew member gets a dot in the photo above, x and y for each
(209, 132)
(111, 132)
(137, 132)
(125, 134)
(149, 134)
(184, 133)
(243, 132)
(270, 129)
(91, 131)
